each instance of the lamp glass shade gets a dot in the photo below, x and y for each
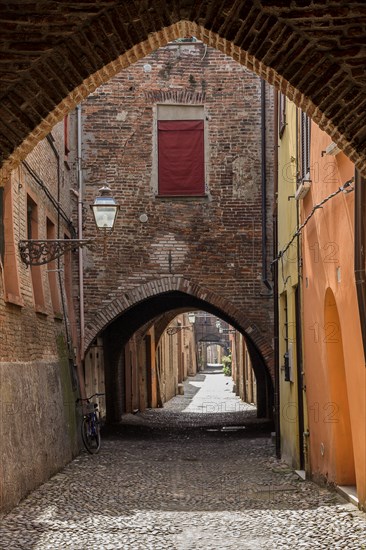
(191, 318)
(105, 210)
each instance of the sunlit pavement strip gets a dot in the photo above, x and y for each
(189, 490)
(207, 396)
(209, 393)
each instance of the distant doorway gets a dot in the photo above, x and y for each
(215, 353)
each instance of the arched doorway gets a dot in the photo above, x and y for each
(343, 465)
(213, 354)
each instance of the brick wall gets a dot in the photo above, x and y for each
(37, 397)
(214, 243)
(312, 51)
(26, 333)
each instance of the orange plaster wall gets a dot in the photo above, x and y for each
(328, 244)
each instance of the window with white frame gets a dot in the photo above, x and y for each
(180, 143)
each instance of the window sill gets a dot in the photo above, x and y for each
(41, 310)
(58, 316)
(185, 198)
(14, 300)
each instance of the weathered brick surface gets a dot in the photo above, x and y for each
(26, 334)
(54, 53)
(214, 242)
(37, 401)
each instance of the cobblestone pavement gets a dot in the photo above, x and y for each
(208, 401)
(169, 486)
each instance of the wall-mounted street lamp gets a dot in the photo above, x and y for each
(174, 330)
(223, 330)
(227, 330)
(192, 317)
(39, 252)
(105, 210)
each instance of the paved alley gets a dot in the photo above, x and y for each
(208, 402)
(162, 483)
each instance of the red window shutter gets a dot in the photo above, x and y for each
(181, 157)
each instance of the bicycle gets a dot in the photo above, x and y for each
(90, 426)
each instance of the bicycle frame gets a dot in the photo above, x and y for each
(93, 420)
(90, 429)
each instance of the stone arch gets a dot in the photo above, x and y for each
(278, 42)
(173, 284)
(341, 451)
(219, 343)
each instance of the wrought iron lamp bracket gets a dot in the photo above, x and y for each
(38, 252)
(174, 330)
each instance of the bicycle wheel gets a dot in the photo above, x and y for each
(90, 433)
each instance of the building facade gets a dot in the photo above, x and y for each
(333, 348)
(321, 362)
(38, 333)
(292, 402)
(245, 383)
(198, 244)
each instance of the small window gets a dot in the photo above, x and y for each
(180, 151)
(36, 273)
(66, 136)
(281, 113)
(181, 157)
(305, 123)
(11, 275)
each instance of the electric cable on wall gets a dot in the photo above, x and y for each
(347, 187)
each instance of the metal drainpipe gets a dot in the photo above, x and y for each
(275, 287)
(264, 189)
(81, 350)
(360, 252)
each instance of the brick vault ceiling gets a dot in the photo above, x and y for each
(52, 54)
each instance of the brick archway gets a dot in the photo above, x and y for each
(169, 285)
(54, 56)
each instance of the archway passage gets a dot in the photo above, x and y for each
(342, 463)
(174, 293)
(144, 323)
(54, 54)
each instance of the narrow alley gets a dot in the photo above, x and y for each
(196, 474)
(183, 275)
